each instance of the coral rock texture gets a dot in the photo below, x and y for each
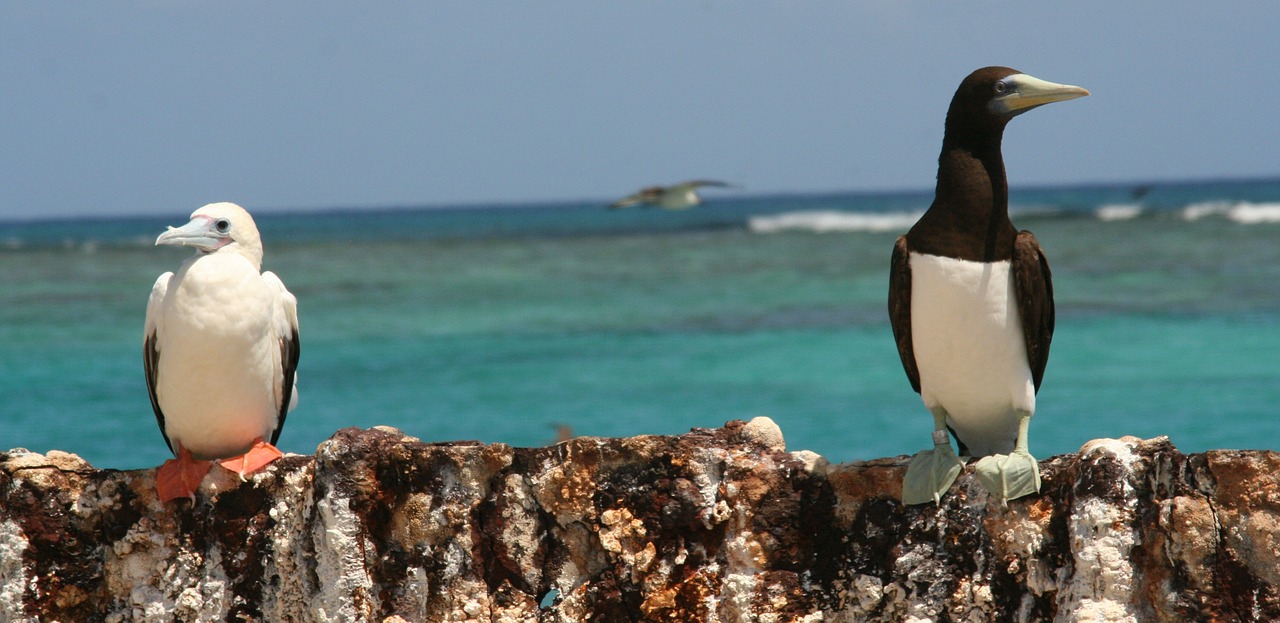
(718, 525)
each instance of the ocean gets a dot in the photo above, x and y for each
(504, 323)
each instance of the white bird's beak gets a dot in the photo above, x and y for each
(199, 233)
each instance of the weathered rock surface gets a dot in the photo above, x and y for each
(714, 525)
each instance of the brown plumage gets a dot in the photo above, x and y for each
(969, 220)
(971, 299)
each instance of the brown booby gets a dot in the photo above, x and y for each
(971, 301)
(677, 197)
(220, 351)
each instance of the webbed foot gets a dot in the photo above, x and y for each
(257, 457)
(1009, 476)
(180, 477)
(930, 474)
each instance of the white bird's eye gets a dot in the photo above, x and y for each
(222, 226)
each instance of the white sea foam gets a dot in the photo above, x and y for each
(1253, 213)
(1241, 212)
(1118, 212)
(834, 221)
(1197, 211)
(1034, 210)
(823, 221)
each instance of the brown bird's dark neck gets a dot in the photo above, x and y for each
(969, 218)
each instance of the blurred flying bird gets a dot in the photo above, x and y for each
(678, 197)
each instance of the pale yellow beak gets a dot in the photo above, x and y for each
(1019, 93)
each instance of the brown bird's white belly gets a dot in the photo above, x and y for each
(970, 349)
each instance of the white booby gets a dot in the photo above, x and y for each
(220, 350)
(971, 301)
(678, 197)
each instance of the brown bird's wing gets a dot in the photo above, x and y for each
(1034, 287)
(900, 309)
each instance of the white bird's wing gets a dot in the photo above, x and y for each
(648, 194)
(285, 320)
(151, 348)
(629, 200)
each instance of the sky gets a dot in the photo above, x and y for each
(161, 106)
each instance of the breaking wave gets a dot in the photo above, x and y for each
(833, 221)
(1251, 213)
(1243, 212)
(825, 221)
(1118, 212)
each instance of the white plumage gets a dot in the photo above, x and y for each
(970, 349)
(221, 340)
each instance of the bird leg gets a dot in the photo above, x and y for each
(180, 477)
(931, 472)
(1012, 475)
(259, 456)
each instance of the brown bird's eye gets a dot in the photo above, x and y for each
(1001, 87)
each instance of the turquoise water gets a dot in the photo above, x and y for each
(498, 323)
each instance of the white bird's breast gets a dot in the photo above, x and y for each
(219, 369)
(970, 349)
(680, 199)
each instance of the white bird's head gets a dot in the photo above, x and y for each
(218, 227)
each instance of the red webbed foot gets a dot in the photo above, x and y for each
(180, 477)
(259, 456)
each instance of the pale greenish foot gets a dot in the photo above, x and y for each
(1009, 476)
(931, 472)
(1014, 475)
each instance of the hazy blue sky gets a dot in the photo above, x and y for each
(164, 105)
